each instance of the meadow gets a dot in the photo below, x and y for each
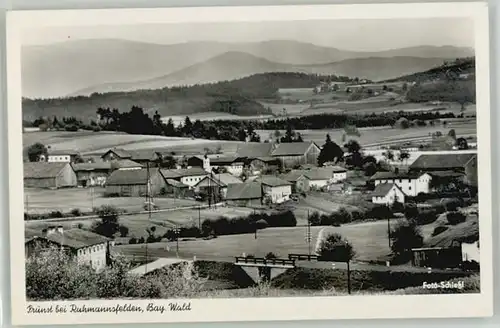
(377, 136)
(369, 239)
(84, 199)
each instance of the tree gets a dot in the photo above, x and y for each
(123, 231)
(242, 135)
(405, 236)
(353, 146)
(330, 152)
(108, 225)
(389, 155)
(337, 249)
(452, 134)
(35, 151)
(404, 87)
(370, 169)
(462, 143)
(404, 155)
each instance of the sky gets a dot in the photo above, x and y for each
(356, 35)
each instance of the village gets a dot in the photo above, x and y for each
(202, 198)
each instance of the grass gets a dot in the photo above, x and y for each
(99, 142)
(369, 240)
(64, 200)
(379, 135)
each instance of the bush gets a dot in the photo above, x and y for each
(140, 240)
(438, 230)
(426, 217)
(411, 211)
(123, 231)
(314, 219)
(455, 218)
(56, 214)
(404, 237)
(335, 248)
(72, 128)
(341, 216)
(358, 216)
(64, 279)
(132, 241)
(381, 212)
(76, 212)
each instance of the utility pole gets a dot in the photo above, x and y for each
(389, 231)
(348, 278)
(199, 217)
(177, 232)
(148, 196)
(309, 234)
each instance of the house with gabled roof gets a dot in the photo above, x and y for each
(134, 183)
(86, 247)
(411, 183)
(143, 156)
(189, 176)
(387, 194)
(465, 163)
(296, 153)
(244, 194)
(216, 183)
(51, 175)
(275, 189)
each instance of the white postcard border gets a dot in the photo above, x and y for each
(255, 309)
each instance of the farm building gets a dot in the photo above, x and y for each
(261, 164)
(276, 189)
(437, 257)
(316, 179)
(189, 177)
(140, 156)
(411, 184)
(199, 161)
(244, 194)
(125, 164)
(296, 153)
(175, 189)
(387, 194)
(133, 183)
(64, 156)
(86, 247)
(463, 163)
(254, 150)
(92, 174)
(339, 173)
(217, 183)
(49, 175)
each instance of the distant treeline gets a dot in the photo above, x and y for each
(136, 121)
(236, 97)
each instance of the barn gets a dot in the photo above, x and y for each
(92, 174)
(133, 183)
(244, 194)
(296, 153)
(49, 175)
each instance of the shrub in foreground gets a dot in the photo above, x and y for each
(455, 218)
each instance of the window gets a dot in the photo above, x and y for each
(409, 187)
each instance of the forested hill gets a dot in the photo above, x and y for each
(236, 96)
(451, 70)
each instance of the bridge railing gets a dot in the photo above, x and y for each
(303, 257)
(264, 261)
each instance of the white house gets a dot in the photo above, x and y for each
(60, 156)
(189, 177)
(411, 184)
(339, 173)
(470, 251)
(387, 194)
(86, 247)
(276, 189)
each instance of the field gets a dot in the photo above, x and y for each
(380, 135)
(88, 143)
(369, 240)
(64, 200)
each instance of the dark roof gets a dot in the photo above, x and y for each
(227, 178)
(441, 161)
(254, 150)
(394, 175)
(318, 174)
(179, 173)
(273, 181)
(130, 177)
(267, 159)
(74, 238)
(222, 160)
(292, 148)
(382, 189)
(122, 153)
(445, 174)
(41, 170)
(248, 190)
(91, 166)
